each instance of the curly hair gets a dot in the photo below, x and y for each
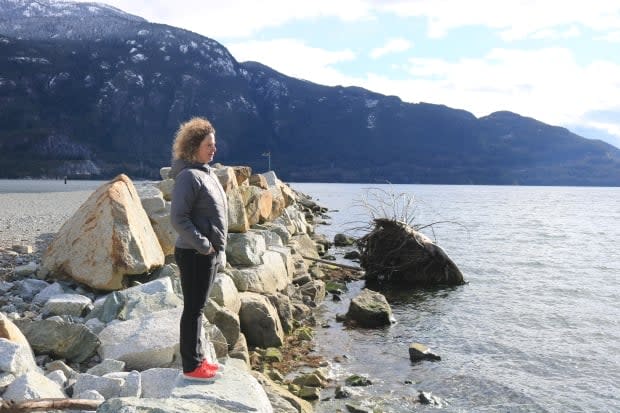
(188, 138)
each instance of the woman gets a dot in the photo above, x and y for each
(199, 214)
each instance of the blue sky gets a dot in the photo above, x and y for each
(552, 60)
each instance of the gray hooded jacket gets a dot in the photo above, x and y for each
(199, 210)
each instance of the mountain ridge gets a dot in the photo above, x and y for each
(107, 96)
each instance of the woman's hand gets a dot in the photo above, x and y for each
(211, 250)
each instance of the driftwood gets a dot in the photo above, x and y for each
(39, 405)
(348, 267)
(395, 252)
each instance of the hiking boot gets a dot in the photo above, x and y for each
(203, 373)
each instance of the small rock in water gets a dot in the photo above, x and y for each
(357, 380)
(428, 398)
(419, 351)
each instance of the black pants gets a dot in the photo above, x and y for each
(197, 276)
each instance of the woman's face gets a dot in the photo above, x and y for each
(206, 150)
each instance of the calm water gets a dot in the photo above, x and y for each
(535, 329)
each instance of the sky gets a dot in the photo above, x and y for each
(557, 61)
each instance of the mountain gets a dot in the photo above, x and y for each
(88, 90)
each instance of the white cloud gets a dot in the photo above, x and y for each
(611, 37)
(517, 18)
(392, 46)
(295, 58)
(546, 84)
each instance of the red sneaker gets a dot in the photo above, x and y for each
(202, 373)
(213, 366)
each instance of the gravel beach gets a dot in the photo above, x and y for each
(34, 218)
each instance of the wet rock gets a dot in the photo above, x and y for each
(352, 255)
(419, 352)
(370, 309)
(357, 380)
(342, 240)
(310, 393)
(354, 408)
(428, 398)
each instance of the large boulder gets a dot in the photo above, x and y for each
(260, 322)
(269, 277)
(72, 341)
(370, 309)
(108, 238)
(145, 342)
(245, 249)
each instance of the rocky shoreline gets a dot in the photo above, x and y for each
(73, 333)
(118, 348)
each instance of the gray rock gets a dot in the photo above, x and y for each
(58, 377)
(5, 380)
(48, 292)
(315, 290)
(158, 382)
(225, 293)
(133, 385)
(370, 309)
(71, 341)
(226, 321)
(165, 172)
(260, 322)
(237, 390)
(169, 405)
(32, 385)
(67, 304)
(27, 269)
(108, 387)
(106, 366)
(142, 343)
(245, 249)
(62, 366)
(15, 358)
(28, 288)
(137, 301)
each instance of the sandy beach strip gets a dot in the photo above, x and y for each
(34, 218)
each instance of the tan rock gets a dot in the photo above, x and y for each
(227, 178)
(257, 204)
(287, 193)
(237, 218)
(278, 204)
(11, 332)
(108, 237)
(259, 181)
(242, 173)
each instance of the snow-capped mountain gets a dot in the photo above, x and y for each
(87, 88)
